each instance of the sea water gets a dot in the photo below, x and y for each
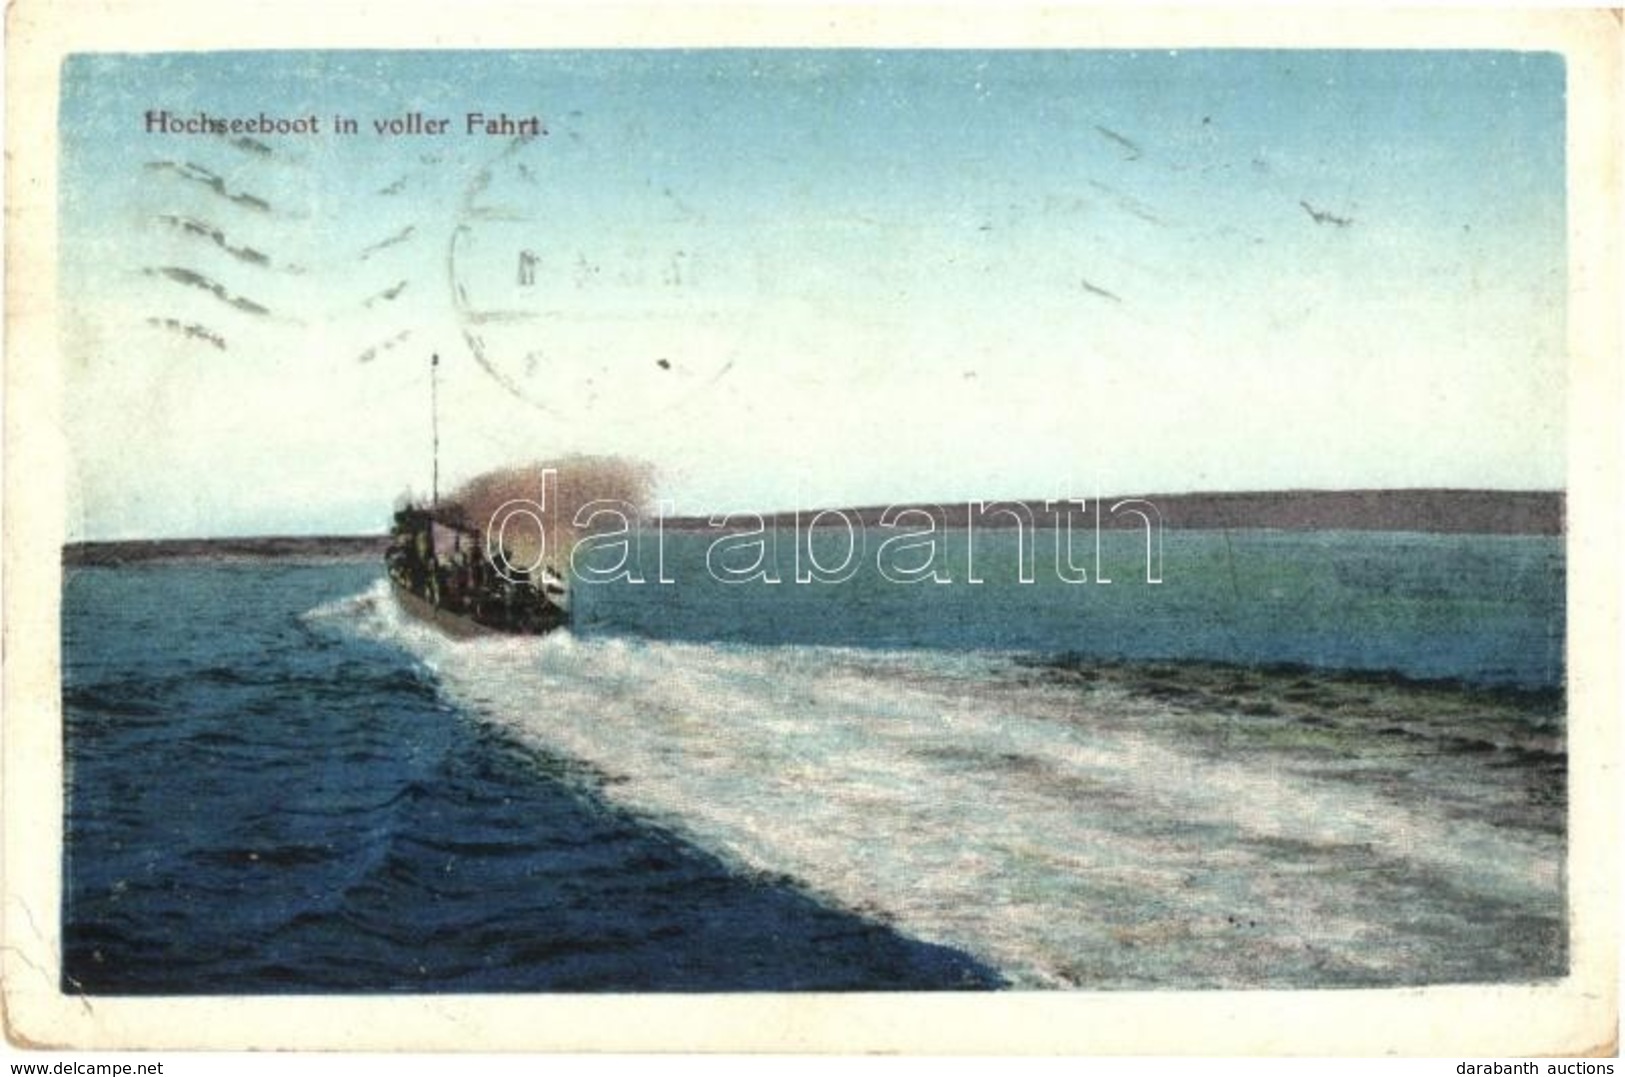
(279, 783)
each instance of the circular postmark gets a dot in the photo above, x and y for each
(586, 303)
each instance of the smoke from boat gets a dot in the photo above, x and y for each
(577, 481)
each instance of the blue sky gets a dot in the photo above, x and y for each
(792, 277)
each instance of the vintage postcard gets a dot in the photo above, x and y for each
(834, 529)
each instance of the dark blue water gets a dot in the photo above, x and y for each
(262, 800)
(257, 804)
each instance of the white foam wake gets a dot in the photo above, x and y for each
(977, 807)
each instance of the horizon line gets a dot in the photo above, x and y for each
(693, 517)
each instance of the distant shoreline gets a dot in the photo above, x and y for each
(267, 548)
(1485, 512)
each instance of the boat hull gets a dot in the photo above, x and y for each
(462, 626)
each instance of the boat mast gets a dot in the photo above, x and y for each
(434, 423)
